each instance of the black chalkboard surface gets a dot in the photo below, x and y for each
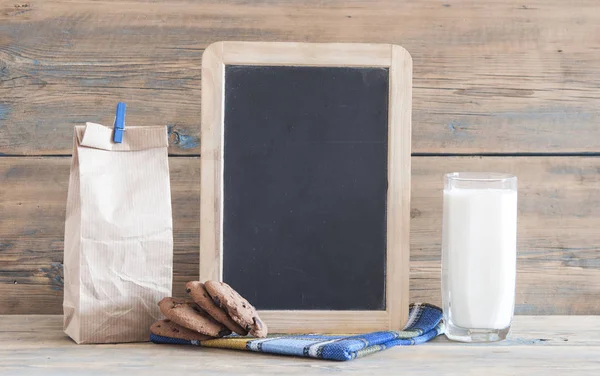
(305, 186)
(305, 181)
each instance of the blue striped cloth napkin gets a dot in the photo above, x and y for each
(424, 323)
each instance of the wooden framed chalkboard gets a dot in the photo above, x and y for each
(305, 181)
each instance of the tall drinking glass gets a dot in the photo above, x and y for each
(479, 252)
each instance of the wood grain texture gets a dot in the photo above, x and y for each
(329, 321)
(489, 77)
(35, 345)
(559, 217)
(399, 187)
(399, 63)
(307, 54)
(211, 188)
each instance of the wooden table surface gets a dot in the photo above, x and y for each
(36, 345)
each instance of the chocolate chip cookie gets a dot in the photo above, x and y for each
(167, 328)
(236, 307)
(201, 297)
(189, 315)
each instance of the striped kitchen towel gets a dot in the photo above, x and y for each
(424, 323)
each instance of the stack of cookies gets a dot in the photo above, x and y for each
(215, 310)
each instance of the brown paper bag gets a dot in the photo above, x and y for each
(118, 234)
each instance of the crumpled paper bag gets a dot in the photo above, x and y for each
(118, 256)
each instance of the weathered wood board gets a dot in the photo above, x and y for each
(35, 345)
(558, 268)
(33, 204)
(559, 217)
(489, 76)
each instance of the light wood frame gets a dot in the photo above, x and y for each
(399, 62)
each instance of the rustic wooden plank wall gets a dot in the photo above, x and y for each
(498, 85)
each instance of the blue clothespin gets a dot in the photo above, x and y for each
(119, 122)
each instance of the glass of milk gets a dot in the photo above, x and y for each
(479, 254)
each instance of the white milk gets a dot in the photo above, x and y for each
(479, 257)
